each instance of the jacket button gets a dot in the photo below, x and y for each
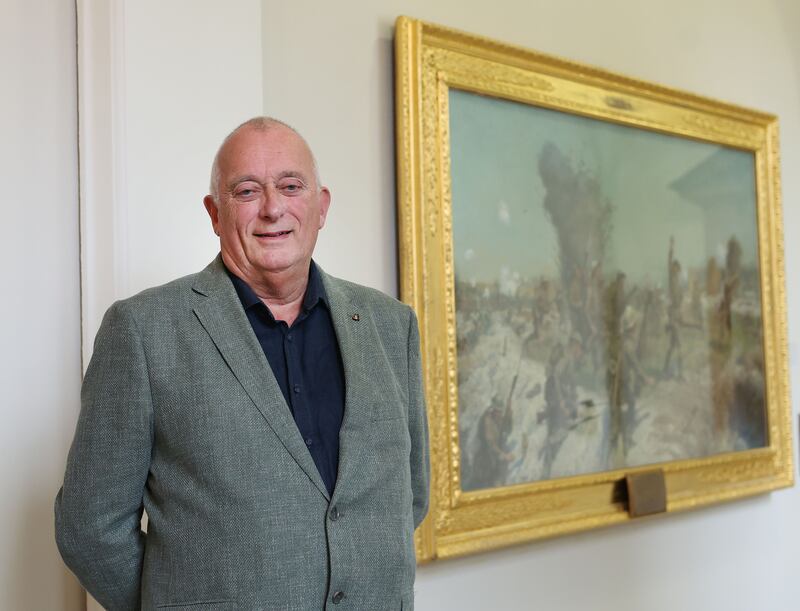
(337, 597)
(335, 515)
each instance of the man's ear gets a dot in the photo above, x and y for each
(324, 204)
(213, 212)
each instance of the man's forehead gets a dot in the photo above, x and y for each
(275, 137)
(278, 145)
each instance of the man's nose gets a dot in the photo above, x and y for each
(272, 205)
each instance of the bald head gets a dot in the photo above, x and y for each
(259, 124)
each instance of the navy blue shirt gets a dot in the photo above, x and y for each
(307, 364)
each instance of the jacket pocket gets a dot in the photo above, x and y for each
(200, 605)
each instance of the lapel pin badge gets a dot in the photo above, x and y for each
(356, 317)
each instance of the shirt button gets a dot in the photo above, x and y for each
(338, 597)
(296, 388)
(289, 337)
(335, 515)
(309, 442)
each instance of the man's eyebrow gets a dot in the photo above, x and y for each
(292, 174)
(240, 179)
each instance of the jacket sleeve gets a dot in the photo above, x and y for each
(99, 507)
(417, 427)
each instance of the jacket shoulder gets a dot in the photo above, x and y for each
(156, 297)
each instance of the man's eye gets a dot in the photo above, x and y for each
(291, 187)
(245, 193)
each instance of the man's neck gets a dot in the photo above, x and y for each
(282, 292)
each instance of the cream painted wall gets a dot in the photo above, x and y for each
(328, 71)
(39, 313)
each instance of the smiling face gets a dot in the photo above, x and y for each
(268, 207)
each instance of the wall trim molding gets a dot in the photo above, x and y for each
(102, 159)
(102, 168)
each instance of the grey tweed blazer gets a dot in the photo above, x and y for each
(181, 416)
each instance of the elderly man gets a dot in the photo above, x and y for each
(269, 418)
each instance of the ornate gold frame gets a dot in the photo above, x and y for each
(429, 60)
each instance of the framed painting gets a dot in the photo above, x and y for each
(597, 267)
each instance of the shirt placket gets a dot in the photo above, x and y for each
(298, 391)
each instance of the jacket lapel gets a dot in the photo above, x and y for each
(351, 323)
(222, 316)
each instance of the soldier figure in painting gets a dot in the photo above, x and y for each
(615, 300)
(560, 396)
(542, 305)
(721, 337)
(673, 315)
(624, 377)
(594, 314)
(490, 465)
(630, 379)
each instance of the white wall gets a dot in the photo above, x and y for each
(328, 70)
(39, 311)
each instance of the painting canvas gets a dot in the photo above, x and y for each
(596, 263)
(607, 295)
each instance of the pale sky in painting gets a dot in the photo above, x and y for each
(499, 221)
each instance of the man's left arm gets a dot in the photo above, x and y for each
(417, 426)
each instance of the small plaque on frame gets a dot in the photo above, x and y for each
(647, 493)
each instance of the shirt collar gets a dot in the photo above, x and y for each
(315, 291)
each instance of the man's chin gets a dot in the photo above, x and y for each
(276, 265)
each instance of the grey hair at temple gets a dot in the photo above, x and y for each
(261, 124)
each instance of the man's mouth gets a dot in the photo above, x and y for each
(273, 234)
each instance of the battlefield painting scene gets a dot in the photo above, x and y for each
(607, 290)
